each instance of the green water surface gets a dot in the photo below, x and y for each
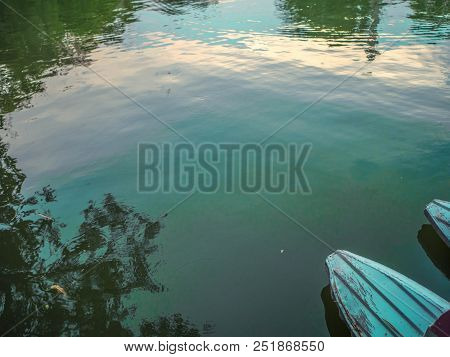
(216, 71)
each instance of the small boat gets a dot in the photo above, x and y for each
(438, 213)
(374, 300)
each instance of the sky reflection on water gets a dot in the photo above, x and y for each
(235, 71)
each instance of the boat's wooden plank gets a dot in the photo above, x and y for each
(377, 301)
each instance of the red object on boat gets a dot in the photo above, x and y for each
(441, 327)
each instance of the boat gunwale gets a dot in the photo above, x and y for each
(433, 222)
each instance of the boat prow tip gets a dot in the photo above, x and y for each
(335, 259)
(337, 253)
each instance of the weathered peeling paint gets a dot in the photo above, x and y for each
(374, 300)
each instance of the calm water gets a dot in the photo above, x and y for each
(217, 71)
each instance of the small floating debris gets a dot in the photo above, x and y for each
(282, 251)
(438, 213)
(59, 289)
(374, 300)
(45, 217)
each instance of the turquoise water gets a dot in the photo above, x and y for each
(234, 71)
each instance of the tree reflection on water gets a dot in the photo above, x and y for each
(94, 273)
(338, 22)
(112, 255)
(355, 22)
(78, 286)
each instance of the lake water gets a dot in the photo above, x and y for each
(235, 71)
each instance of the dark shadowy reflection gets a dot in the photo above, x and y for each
(336, 327)
(340, 22)
(431, 18)
(436, 249)
(343, 22)
(73, 28)
(80, 286)
(165, 326)
(76, 287)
